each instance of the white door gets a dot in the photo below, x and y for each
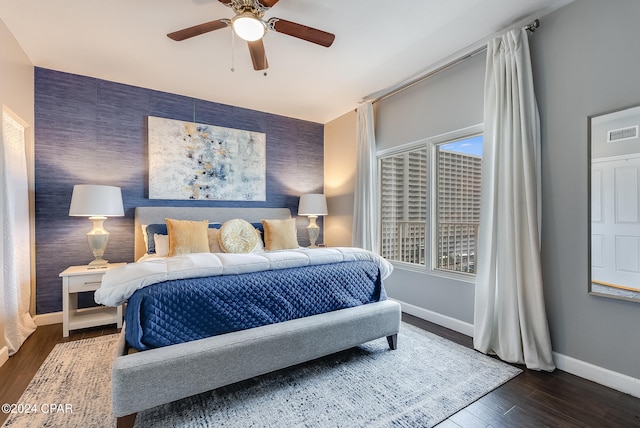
(615, 221)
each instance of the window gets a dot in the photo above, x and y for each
(430, 204)
(404, 206)
(459, 166)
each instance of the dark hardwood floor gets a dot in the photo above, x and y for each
(532, 399)
(541, 399)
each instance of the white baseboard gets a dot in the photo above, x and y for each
(4, 355)
(618, 381)
(434, 317)
(48, 319)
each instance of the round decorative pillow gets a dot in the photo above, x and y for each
(238, 236)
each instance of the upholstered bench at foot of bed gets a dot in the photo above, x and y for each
(147, 379)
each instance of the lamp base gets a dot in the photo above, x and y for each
(98, 238)
(98, 263)
(313, 230)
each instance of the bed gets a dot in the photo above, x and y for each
(142, 380)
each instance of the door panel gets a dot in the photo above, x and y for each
(615, 226)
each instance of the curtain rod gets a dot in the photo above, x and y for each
(531, 27)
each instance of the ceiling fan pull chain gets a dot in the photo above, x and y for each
(233, 50)
(265, 66)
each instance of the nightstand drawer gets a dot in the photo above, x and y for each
(81, 283)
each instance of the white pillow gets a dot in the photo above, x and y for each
(162, 244)
(145, 237)
(260, 245)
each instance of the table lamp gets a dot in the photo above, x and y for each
(312, 205)
(96, 202)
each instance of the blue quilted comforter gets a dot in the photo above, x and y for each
(189, 309)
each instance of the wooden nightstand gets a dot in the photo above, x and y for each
(77, 279)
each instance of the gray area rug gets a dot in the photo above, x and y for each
(424, 381)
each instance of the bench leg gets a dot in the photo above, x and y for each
(126, 421)
(393, 342)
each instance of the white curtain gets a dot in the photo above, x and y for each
(16, 253)
(365, 204)
(510, 319)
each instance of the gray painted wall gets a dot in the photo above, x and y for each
(585, 60)
(602, 124)
(446, 102)
(585, 63)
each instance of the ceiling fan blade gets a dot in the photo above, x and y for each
(258, 55)
(196, 30)
(267, 3)
(303, 32)
(225, 2)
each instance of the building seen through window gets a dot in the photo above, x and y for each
(449, 175)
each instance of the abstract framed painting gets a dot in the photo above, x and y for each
(190, 160)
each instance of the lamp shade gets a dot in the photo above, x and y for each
(248, 27)
(92, 200)
(312, 204)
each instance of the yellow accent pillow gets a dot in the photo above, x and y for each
(280, 234)
(214, 245)
(187, 236)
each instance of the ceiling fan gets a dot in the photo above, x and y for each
(248, 25)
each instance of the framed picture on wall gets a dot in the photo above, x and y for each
(196, 161)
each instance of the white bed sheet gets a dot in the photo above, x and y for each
(120, 283)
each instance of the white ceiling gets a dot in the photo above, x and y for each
(378, 44)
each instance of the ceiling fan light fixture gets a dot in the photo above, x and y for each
(248, 27)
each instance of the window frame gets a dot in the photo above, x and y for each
(431, 144)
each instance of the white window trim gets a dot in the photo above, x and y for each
(431, 144)
(458, 276)
(459, 134)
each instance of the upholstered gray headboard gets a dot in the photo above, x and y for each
(153, 215)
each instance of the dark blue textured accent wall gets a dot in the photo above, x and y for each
(92, 131)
